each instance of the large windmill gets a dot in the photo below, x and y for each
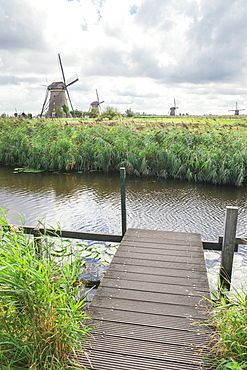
(58, 92)
(235, 110)
(173, 109)
(96, 103)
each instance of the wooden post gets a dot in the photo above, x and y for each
(123, 198)
(37, 241)
(228, 247)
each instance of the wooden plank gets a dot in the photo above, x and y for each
(165, 250)
(151, 333)
(185, 299)
(145, 319)
(151, 286)
(168, 309)
(176, 238)
(162, 257)
(171, 280)
(153, 270)
(149, 305)
(142, 348)
(98, 360)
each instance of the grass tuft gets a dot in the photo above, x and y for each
(230, 337)
(42, 322)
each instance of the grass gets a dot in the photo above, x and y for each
(230, 338)
(199, 149)
(42, 322)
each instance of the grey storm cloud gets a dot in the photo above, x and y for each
(20, 26)
(215, 40)
(6, 80)
(214, 47)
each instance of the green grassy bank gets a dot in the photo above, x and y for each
(205, 149)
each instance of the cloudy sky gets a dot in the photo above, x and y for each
(138, 54)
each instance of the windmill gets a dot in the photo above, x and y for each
(57, 92)
(235, 110)
(173, 109)
(96, 103)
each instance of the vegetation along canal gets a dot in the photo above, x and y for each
(91, 202)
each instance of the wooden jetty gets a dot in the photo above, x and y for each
(149, 310)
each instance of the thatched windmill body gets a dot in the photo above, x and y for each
(96, 103)
(173, 109)
(236, 111)
(58, 94)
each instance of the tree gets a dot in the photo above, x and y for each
(129, 113)
(93, 113)
(65, 109)
(59, 113)
(78, 113)
(111, 113)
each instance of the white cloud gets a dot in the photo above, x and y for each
(139, 54)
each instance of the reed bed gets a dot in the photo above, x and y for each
(195, 149)
(229, 344)
(42, 322)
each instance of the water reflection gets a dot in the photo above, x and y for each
(91, 202)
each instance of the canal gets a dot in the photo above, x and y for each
(91, 202)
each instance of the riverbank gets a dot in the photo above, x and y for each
(198, 149)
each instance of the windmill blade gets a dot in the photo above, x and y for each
(97, 96)
(70, 101)
(72, 80)
(101, 102)
(44, 104)
(61, 66)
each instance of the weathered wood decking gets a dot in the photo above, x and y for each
(150, 303)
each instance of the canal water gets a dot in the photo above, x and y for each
(91, 202)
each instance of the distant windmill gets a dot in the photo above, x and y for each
(173, 109)
(96, 103)
(235, 110)
(57, 91)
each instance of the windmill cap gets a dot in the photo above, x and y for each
(57, 86)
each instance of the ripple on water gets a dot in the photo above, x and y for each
(91, 202)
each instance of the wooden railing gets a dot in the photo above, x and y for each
(37, 232)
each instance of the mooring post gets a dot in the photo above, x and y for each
(123, 198)
(228, 247)
(37, 242)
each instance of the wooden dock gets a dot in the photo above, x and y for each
(149, 307)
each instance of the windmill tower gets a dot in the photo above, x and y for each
(96, 103)
(173, 109)
(58, 92)
(235, 110)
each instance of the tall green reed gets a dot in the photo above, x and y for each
(42, 322)
(229, 342)
(206, 151)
